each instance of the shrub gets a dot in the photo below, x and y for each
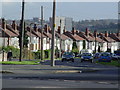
(47, 53)
(37, 54)
(15, 51)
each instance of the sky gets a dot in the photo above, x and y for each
(76, 10)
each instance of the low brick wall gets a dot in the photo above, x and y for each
(5, 56)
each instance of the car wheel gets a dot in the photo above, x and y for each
(91, 61)
(81, 60)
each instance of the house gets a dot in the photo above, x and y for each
(76, 38)
(110, 42)
(63, 42)
(8, 36)
(116, 37)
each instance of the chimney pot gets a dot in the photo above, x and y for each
(87, 32)
(3, 24)
(14, 26)
(59, 30)
(46, 29)
(95, 33)
(35, 28)
(118, 34)
(106, 33)
(73, 31)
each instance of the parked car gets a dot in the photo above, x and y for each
(105, 57)
(115, 57)
(96, 55)
(68, 56)
(87, 57)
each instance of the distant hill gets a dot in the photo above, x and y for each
(102, 25)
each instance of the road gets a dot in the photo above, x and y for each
(63, 75)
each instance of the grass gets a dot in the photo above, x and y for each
(112, 63)
(19, 63)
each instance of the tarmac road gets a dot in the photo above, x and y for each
(63, 75)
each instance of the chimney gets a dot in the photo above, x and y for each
(73, 31)
(95, 33)
(46, 29)
(35, 28)
(28, 29)
(64, 30)
(3, 24)
(87, 32)
(118, 33)
(77, 31)
(106, 33)
(59, 30)
(14, 26)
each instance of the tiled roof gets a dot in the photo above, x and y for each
(107, 39)
(48, 35)
(9, 33)
(30, 34)
(74, 37)
(62, 36)
(115, 37)
(12, 30)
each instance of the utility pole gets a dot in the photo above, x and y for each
(53, 35)
(95, 34)
(22, 30)
(41, 33)
(60, 38)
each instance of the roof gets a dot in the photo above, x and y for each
(48, 35)
(107, 39)
(12, 30)
(62, 36)
(74, 37)
(9, 33)
(115, 37)
(30, 34)
(88, 38)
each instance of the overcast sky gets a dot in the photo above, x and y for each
(76, 10)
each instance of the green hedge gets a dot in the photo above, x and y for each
(15, 51)
(46, 54)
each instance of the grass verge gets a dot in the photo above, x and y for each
(112, 63)
(19, 63)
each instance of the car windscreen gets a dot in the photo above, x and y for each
(68, 53)
(105, 54)
(86, 54)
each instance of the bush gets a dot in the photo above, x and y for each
(75, 51)
(37, 54)
(27, 54)
(15, 51)
(47, 53)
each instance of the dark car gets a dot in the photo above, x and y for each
(105, 57)
(115, 57)
(87, 57)
(68, 56)
(96, 55)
